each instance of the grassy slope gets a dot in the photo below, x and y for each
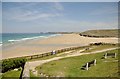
(98, 48)
(65, 67)
(110, 33)
(12, 73)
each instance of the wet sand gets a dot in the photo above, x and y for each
(39, 46)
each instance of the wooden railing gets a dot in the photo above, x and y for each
(59, 51)
(48, 53)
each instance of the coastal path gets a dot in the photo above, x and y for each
(33, 64)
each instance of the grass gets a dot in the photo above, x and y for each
(71, 67)
(32, 76)
(101, 47)
(102, 33)
(11, 74)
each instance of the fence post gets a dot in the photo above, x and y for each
(87, 66)
(94, 62)
(31, 57)
(115, 55)
(105, 55)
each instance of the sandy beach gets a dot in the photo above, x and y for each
(39, 46)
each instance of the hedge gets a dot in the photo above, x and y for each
(9, 64)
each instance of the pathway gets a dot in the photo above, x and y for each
(26, 71)
(33, 64)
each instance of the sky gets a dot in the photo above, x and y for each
(60, 0)
(0, 17)
(35, 17)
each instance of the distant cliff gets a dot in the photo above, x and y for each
(61, 32)
(101, 33)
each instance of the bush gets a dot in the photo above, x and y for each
(19, 69)
(9, 64)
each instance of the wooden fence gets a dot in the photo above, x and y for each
(48, 53)
(59, 51)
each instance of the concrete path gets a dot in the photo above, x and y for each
(26, 72)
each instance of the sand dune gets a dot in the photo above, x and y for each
(39, 46)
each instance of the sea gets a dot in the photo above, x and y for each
(10, 38)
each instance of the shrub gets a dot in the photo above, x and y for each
(9, 64)
(19, 69)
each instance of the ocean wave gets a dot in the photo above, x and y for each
(54, 35)
(31, 38)
(1, 44)
(23, 39)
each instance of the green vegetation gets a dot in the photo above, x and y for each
(71, 67)
(64, 66)
(101, 33)
(98, 48)
(11, 74)
(32, 76)
(9, 64)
